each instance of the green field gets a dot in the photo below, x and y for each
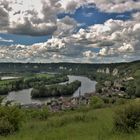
(97, 126)
(39, 75)
(26, 81)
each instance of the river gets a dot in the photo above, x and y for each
(24, 96)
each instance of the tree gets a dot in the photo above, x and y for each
(131, 88)
(55, 90)
(96, 102)
(137, 91)
(10, 120)
(3, 90)
(137, 82)
(127, 118)
(99, 87)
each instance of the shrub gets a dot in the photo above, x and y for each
(10, 120)
(99, 87)
(1, 99)
(3, 90)
(131, 88)
(41, 114)
(137, 91)
(5, 127)
(96, 102)
(121, 101)
(127, 118)
(137, 83)
(106, 100)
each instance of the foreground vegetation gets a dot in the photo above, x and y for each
(10, 120)
(85, 123)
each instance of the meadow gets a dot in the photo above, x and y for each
(89, 124)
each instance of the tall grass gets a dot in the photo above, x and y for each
(91, 125)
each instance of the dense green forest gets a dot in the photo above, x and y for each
(77, 68)
(55, 90)
(30, 81)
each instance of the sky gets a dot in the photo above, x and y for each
(79, 31)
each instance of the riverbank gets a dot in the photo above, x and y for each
(23, 97)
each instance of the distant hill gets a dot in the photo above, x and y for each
(66, 67)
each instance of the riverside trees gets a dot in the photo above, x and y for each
(55, 90)
(29, 82)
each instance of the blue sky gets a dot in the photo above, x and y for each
(72, 30)
(86, 16)
(22, 39)
(91, 15)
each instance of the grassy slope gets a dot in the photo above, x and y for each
(100, 129)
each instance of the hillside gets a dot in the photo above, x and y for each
(97, 126)
(65, 67)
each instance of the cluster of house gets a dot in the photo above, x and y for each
(116, 88)
(62, 103)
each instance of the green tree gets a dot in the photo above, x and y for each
(137, 91)
(3, 90)
(99, 87)
(96, 102)
(10, 120)
(127, 118)
(131, 88)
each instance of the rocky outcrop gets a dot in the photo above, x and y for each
(100, 71)
(106, 71)
(115, 72)
(128, 79)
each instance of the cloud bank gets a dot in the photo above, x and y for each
(113, 41)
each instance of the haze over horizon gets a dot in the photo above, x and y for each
(85, 31)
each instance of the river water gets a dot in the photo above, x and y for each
(8, 78)
(24, 96)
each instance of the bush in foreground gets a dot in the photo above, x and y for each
(1, 99)
(10, 120)
(96, 102)
(38, 114)
(3, 90)
(127, 118)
